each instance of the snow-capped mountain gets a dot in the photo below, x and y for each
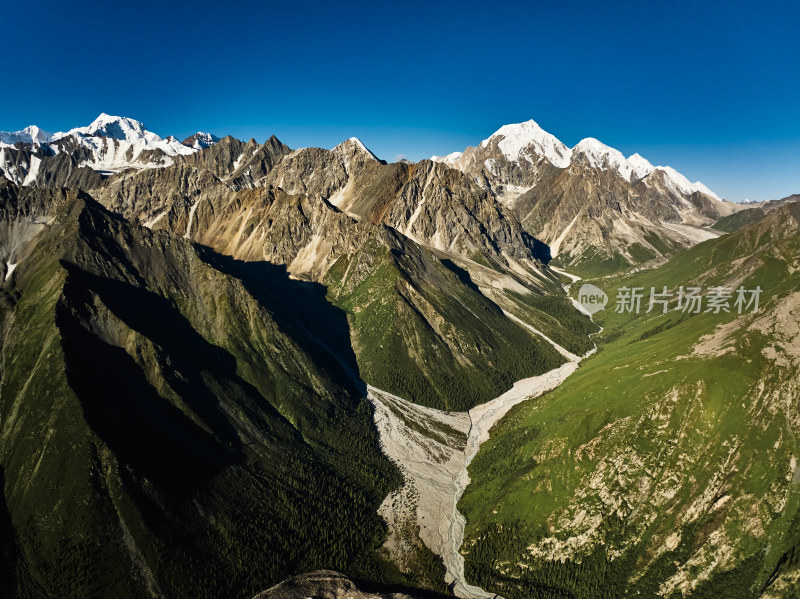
(590, 202)
(29, 135)
(109, 144)
(526, 144)
(517, 142)
(598, 155)
(512, 160)
(113, 143)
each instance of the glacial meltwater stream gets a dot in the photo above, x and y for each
(434, 465)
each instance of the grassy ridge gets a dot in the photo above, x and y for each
(421, 333)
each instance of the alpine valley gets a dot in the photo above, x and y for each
(231, 369)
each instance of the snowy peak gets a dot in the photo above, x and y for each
(449, 159)
(604, 157)
(636, 167)
(528, 140)
(114, 127)
(508, 162)
(680, 184)
(29, 135)
(115, 143)
(200, 140)
(640, 165)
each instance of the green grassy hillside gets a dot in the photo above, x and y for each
(666, 465)
(422, 330)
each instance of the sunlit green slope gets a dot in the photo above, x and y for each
(667, 464)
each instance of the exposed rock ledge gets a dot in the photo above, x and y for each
(324, 584)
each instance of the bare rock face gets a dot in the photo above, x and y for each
(161, 183)
(200, 140)
(39, 166)
(590, 216)
(442, 208)
(306, 235)
(224, 157)
(161, 198)
(428, 202)
(324, 584)
(252, 169)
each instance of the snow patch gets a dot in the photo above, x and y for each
(449, 159)
(640, 165)
(187, 235)
(149, 224)
(556, 245)
(10, 266)
(33, 170)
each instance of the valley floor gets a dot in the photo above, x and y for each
(433, 449)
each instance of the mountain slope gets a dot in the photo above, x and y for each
(435, 319)
(169, 425)
(83, 156)
(443, 334)
(675, 476)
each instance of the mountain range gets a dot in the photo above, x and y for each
(598, 211)
(206, 342)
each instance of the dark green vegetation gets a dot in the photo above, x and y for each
(422, 330)
(557, 319)
(592, 263)
(667, 464)
(169, 425)
(737, 220)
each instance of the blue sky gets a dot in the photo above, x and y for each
(710, 88)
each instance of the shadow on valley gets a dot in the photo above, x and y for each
(462, 274)
(541, 251)
(232, 485)
(8, 546)
(176, 447)
(299, 307)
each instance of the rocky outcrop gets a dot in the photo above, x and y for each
(252, 168)
(162, 198)
(224, 157)
(325, 584)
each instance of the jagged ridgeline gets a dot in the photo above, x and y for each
(420, 258)
(170, 425)
(667, 464)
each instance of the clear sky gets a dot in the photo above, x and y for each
(710, 88)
